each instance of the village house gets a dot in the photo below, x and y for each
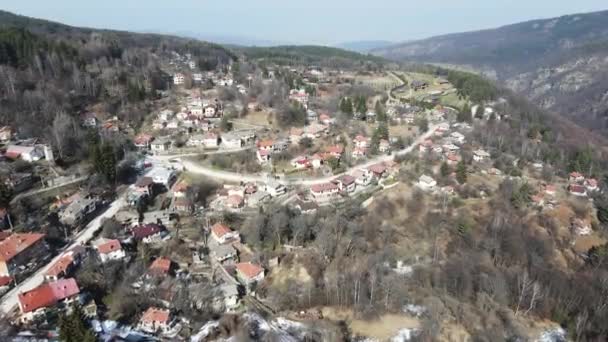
(295, 135)
(235, 201)
(318, 159)
(346, 183)
(458, 137)
(231, 141)
(160, 145)
(19, 181)
(179, 79)
(65, 264)
(315, 131)
(6, 133)
(20, 249)
(576, 177)
(363, 177)
(230, 296)
(300, 163)
(336, 151)
(361, 142)
(384, 146)
(324, 191)
(305, 207)
(196, 140)
(577, 190)
(300, 96)
(162, 176)
(210, 111)
(452, 159)
(425, 146)
(26, 153)
(591, 185)
(148, 233)
(109, 250)
(77, 211)
(550, 189)
(165, 115)
(88, 120)
(222, 234)
(275, 188)
(378, 171)
(183, 205)
(223, 253)
(35, 302)
(6, 283)
(180, 189)
(143, 141)
(359, 152)
(450, 148)
(426, 183)
(155, 320)
(418, 85)
(311, 116)
(480, 155)
(249, 273)
(160, 267)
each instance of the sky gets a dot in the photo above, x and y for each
(324, 22)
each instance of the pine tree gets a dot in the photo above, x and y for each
(445, 169)
(380, 112)
(6, 194)
(461, 172)
(73, 327)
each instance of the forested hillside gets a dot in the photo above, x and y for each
(48, 70)
(312, 55)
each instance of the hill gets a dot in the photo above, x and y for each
(48, 70)
(310, 55)
(364, 46)
(555, 62)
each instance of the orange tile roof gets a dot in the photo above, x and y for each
(249, 270)
(155, 315)
(220, 229)
(47, 295)
(109, 247)
(17, 243)
(61, 266)
(161, 266)
(265, 143)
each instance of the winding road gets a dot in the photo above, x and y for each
(235, 177)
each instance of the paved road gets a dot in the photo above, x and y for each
(10, 300)
(228, 176)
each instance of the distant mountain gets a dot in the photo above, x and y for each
(364, 46)
(558, 63)
(225, 39)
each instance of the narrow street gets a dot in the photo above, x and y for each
(9, 301)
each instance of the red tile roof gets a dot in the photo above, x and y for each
(47, 295)
(220, 229)
(155, 315)
(144, 231)
(61, 266)
(109, 247)
(346, 179)
(249, 270)
(17, 243)
(5, 280)
(336, 149)
(377, 168)
(324, 187)
(161, 266)
(235, 200)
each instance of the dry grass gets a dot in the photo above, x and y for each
(382, 329)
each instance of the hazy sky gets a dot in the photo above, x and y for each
(297, 21)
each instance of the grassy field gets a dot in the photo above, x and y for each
(383, 328)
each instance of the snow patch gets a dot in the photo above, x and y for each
(405, 335)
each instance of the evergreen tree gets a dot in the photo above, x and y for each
(6, 194)
(346, 106)
(361, 105)
(465, 114)
(479, 112)
(423, 124)
(380, 112)
(461, 172)
(445, 169)
(73, 327)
